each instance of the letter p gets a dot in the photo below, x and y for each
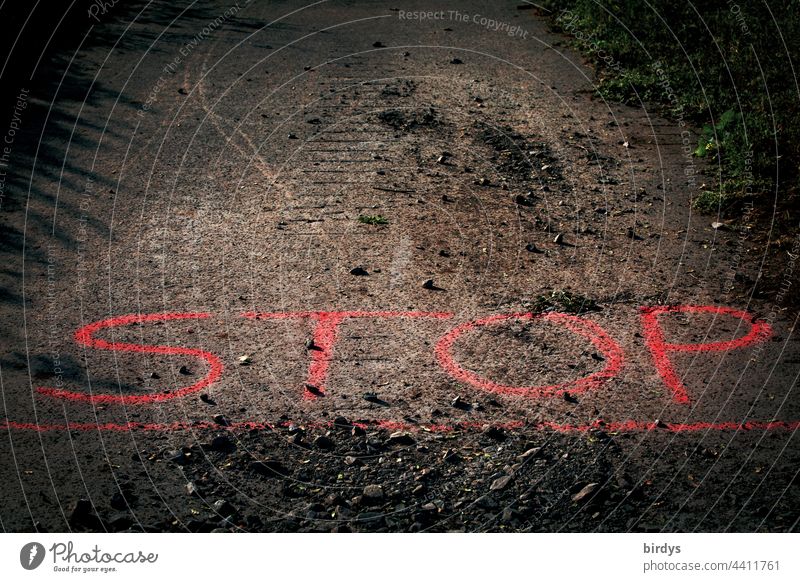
(660, 349)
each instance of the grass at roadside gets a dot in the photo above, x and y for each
(723, 66)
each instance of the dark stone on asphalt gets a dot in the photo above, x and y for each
(532, 452)
(179, 458)
(585, 492)
(224, 508)
(269, 468)
(372, 495)
(401, 438)
(500, 483)
(221, 420)
(223, 444)
(118, 501)
(341, 422)
(81, 514)
(457, 402)
(451, 456)
(323, 442)
(495, 433)
(359, 272)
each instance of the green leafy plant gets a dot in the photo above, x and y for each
(714, 137)
(373, 219)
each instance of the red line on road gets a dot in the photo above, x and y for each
(610, 427)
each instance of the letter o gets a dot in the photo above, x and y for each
(599, 338)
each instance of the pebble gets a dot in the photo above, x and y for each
(372, 495)
(191, 488)
(532, 452)
(269, 468)
(585, 492)
(500, 483)
(359, 272)
(224, 508)
(323, 442)
(223, 444)
(401, 438)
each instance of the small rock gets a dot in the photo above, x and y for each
(372, 495)
(401, 438)
(184, 370)
(532, 452)
(495, 433)
(191, 488)
(207, 399)
(314, 390)
(359, 272)
(269, 468)
(223, 444)
(457, 402)
(310, 345)
(378, 44)
(224, 508)
(292, 136)
(570, 398)
(221, 420)
(341, 422)
(559, 239)
(118, 501)
(717, 225)
(521, 200)
(451, 456)
(484, 182)
(584, 493)
(428, 284)
(500, 483)
(351, 461)
(244, 360)
(81, 513)
(323, 442)
(532, 248)
(180, 458)
(456, 61)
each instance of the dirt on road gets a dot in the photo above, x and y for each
(347, 267)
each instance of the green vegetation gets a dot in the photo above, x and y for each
(373, 219)
(564, 302)
(726, 66)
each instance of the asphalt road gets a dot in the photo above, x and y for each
(341, 266)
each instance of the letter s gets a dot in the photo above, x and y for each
(85, 336)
